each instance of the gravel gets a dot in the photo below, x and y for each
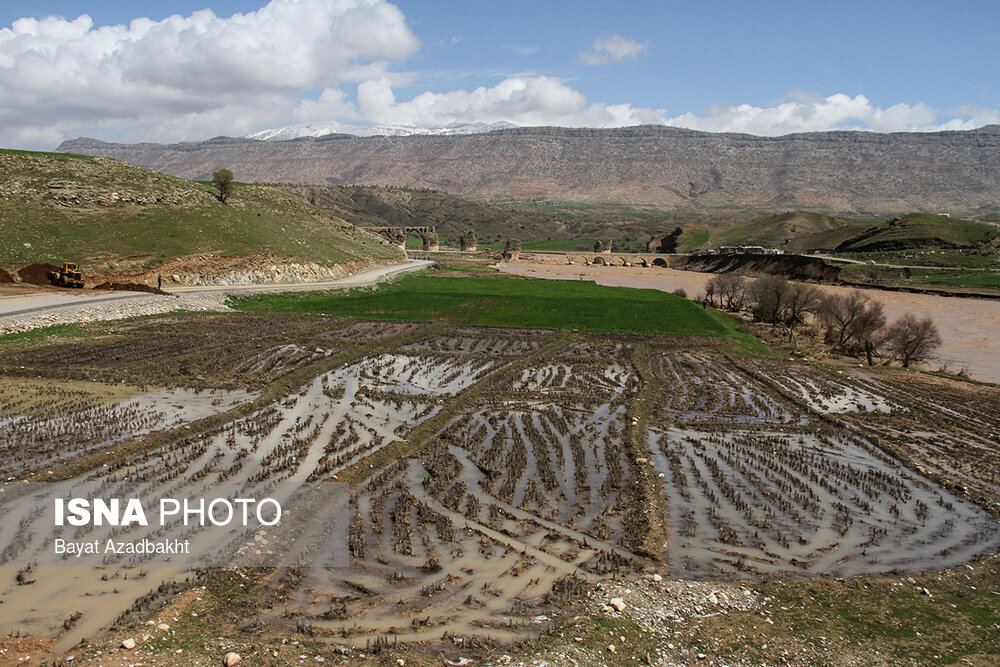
(152, 304)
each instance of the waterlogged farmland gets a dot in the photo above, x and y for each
(493, 474)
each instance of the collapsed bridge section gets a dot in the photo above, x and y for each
(398, 235)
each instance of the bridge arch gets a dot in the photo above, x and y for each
(642, 261)
(600, 261)
(659, 261)
(398, 235)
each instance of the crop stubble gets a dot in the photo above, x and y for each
(524, 495)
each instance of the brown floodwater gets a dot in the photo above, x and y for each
(967, 326)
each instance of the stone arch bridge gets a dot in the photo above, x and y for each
(626, 259)
(398, 235)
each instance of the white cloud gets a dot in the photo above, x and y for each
(199, 71)
(811, 113)
(611, 48)
(542, 100)
(193, 77)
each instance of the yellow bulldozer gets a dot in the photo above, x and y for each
(68, 276)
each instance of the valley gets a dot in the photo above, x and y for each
(497, 480)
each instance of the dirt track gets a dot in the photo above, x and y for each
(967, 326)
(22, 306)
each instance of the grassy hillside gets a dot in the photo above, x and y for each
(451, 216)
(110, 216)
(795, 231)
(922, 230)
(551, 225)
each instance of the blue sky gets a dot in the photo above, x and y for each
(759, 67)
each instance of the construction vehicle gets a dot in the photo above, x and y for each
(68, 276)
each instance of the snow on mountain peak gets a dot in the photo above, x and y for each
(387, 130)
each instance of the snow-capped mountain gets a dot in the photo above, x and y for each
(399, 130)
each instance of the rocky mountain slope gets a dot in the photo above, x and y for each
(115, 219)
(670, 168)
(450, 216)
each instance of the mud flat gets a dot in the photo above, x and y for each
(966, 325)
(497, 475)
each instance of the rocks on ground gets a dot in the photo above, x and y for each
(115, 310)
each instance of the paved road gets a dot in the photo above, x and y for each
(25, 304)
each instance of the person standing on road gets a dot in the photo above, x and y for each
(159, 282)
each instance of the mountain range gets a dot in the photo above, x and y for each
(672, 169)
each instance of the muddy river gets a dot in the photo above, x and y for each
(967, 326)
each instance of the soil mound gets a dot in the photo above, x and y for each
(36, 274)
(129, 287)
(793, 267)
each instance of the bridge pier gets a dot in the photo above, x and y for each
(398, 235)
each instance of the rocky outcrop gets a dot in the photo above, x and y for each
(76, 195)
(248, 270)
(859, 172)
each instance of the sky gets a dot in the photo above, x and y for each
(188, 70)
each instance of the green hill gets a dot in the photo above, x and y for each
(113, 218)
(795, 231)
(921, 230)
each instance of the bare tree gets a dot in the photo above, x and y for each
(799, 301)
(777, 301)
(223, 179)
(912, 339)
(710, 293)
(868, 331)
(765, 296)
(836, 313)
(731, 289)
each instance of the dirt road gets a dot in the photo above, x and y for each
(968, 326)
(24, 307)
(25, 299)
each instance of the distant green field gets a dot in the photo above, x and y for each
(958, 278)
(933, 257)
(502, 301)
(966, 279)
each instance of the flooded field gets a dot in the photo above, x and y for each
(784, 504)
(966, 325)
(494, 474)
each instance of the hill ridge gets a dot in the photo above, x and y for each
(115, 218)
(852, 172)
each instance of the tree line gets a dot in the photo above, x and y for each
(852, 322)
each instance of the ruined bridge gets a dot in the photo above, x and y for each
(398, 235)
(627, 259)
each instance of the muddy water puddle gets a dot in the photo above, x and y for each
(804, 504)
(53, 432)
(706, 388)
(522, 499)
(822, 392)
